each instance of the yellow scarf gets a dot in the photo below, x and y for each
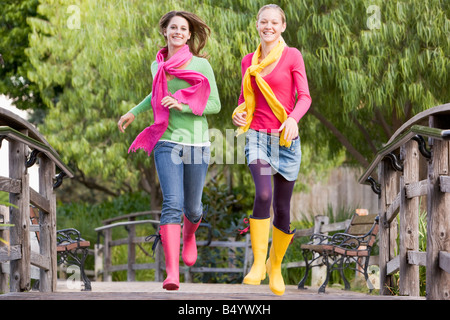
(249, 104)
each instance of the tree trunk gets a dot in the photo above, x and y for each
(342, 139)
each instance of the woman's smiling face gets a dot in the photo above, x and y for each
(270, 25)
(177, 32)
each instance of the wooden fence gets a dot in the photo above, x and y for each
(26, 146)
(103, 251)
(407, 171)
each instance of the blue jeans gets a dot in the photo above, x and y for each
(181, 171)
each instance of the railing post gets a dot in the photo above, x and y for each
(47, 223)
(99, 257)
(107, 255)
(159, 261)
(409, 221)
(131, 273)
(20, 270)
(319, 274)
(438, 226)
(388, 231)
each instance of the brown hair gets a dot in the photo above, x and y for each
(272, 6)
(197, 27)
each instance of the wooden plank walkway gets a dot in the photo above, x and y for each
(191, 291)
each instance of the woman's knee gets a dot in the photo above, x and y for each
(195, 215)
(264, 196)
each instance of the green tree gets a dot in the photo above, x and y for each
(99, 53)
(14, 64)
(371, 65)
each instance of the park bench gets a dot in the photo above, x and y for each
(73, 250)
(342, 250)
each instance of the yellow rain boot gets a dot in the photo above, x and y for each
(259, 236)
(280, 243)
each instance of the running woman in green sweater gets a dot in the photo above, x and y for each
(184, 91)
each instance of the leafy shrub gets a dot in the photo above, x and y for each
(86, 217)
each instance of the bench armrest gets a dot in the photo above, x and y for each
(350, 242)
(319, 238)
(67, 236)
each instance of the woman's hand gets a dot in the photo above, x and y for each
(239, 119)
(125, 121)
(170, 102)
(291, 127)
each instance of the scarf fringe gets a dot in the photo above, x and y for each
(147, 139)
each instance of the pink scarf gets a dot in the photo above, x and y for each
(195, 96)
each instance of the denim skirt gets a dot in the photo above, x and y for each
(283, 160)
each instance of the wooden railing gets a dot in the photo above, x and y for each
(26, 145)
(408, 171)
(103, 249)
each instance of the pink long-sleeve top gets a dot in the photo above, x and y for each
(287, 78)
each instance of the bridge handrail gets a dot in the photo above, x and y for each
(23, 136)
(103, 253)
(8, 118)
(415, 130)
(125, 223)
(10, 133)
(400, 188)
(130, 216)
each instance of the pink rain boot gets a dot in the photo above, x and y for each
(170, 238)
(189, 252)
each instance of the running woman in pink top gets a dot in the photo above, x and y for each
(287, 78)
(267, 156)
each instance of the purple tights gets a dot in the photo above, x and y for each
(282, 193)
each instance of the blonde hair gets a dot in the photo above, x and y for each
(272, 6)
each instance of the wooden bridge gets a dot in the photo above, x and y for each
(397, 175)
(192, 291)
(26, 145)
(408, 171)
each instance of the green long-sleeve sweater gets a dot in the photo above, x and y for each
(185, 127)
